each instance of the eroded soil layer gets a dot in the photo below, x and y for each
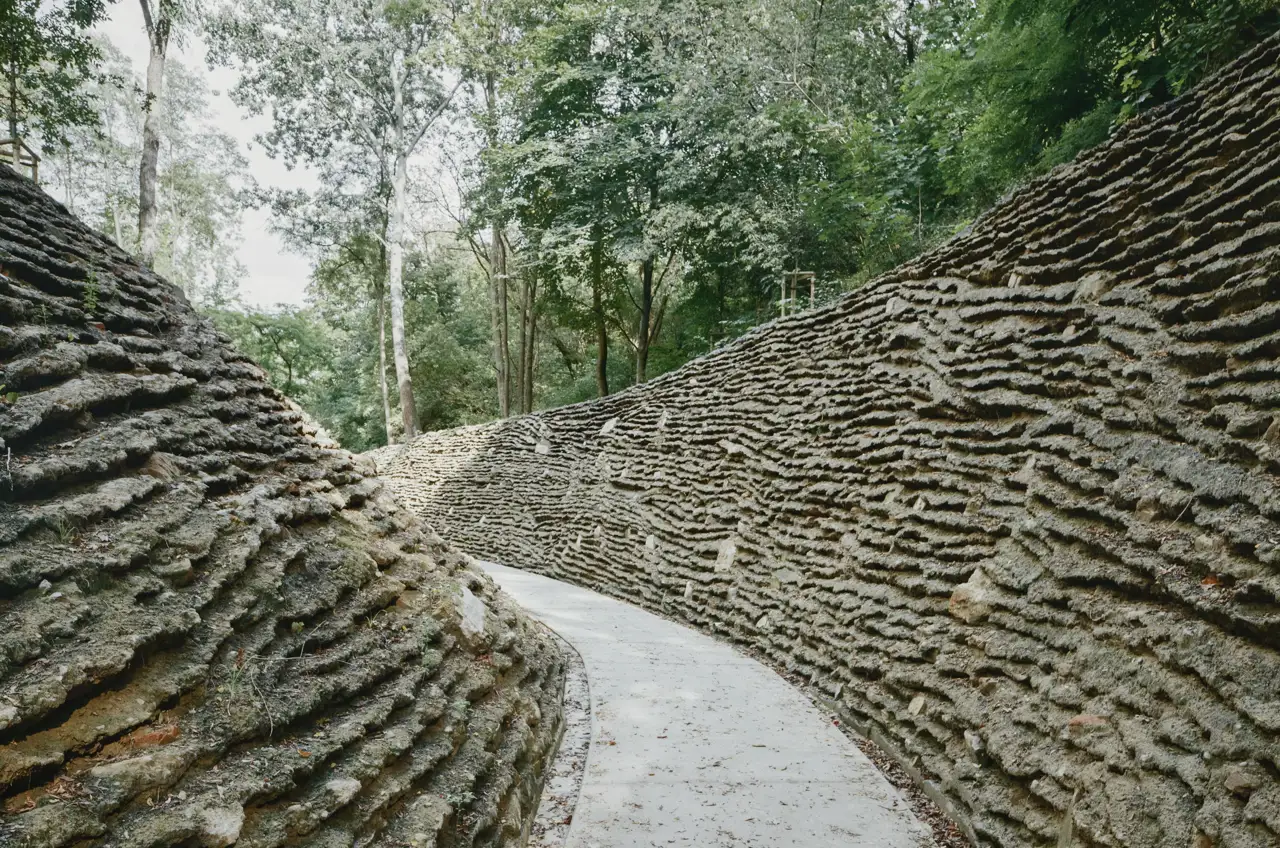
(1013, 506)
(213, 629)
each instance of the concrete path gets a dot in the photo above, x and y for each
(694, 744)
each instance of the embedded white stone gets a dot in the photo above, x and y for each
(725, 555)
(343, 788)
(221, 826)
(473, 612)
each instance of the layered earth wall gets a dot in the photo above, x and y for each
(213, 629)
(1014, 507)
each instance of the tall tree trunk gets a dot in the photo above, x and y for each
(597, 314)
(67, 197)
(382, 359)
(115, 220)
(528, 342)
(718, 333)
(523, 344)
(16, 151)
(395, 247)
(158, 29)
(498, 304)
(504, 324)
(498, 267)
(646, 318)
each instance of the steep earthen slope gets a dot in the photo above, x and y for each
(213, 629)
(1014, 507)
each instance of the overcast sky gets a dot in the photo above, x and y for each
(275, 275)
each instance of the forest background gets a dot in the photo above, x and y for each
(520, 204)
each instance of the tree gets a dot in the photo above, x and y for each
(486, 55)
(353, 270)
(649, 134)
(93, 169)
(342, 76)
(558, 185)
(1028, 85)
(291, 343)
(343, 225)
(201, 177)
(47, 57)
(159, 25)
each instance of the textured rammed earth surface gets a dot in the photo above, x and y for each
(213, 629)
(1014, 506)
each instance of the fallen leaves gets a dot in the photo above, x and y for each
(20, 803)
(65, 788)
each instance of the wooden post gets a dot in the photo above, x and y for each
(21, 157)
(791, 289)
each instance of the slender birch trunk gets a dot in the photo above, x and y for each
(532, 349)
(498, 299)
(524, 343)
(382, 360)
(597, 313)
(498, 269)
(644, 332)
(158, 29)
(16, 150)
(395, 247)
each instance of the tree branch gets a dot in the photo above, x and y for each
(146, 19)
(657, 321)
(622, 328)
(435, 115)
(671, 257)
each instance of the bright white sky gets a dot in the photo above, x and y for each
(275, 274)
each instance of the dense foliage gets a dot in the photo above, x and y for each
(46, 59)
(616, 186)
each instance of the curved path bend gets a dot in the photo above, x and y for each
(694, 744)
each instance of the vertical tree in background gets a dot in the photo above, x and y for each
(202, 177)
(489, 61)
(341, 77)
(343, 224)
(380, 294)
(594, 154)
(159, 24)
(597, 314)
(47, 56)
(560, 193)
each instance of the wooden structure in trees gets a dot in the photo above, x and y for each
(19, 156)
(790, 283)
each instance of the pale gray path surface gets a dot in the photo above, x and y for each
(694, 744)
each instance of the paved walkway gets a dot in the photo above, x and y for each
(694, 744)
